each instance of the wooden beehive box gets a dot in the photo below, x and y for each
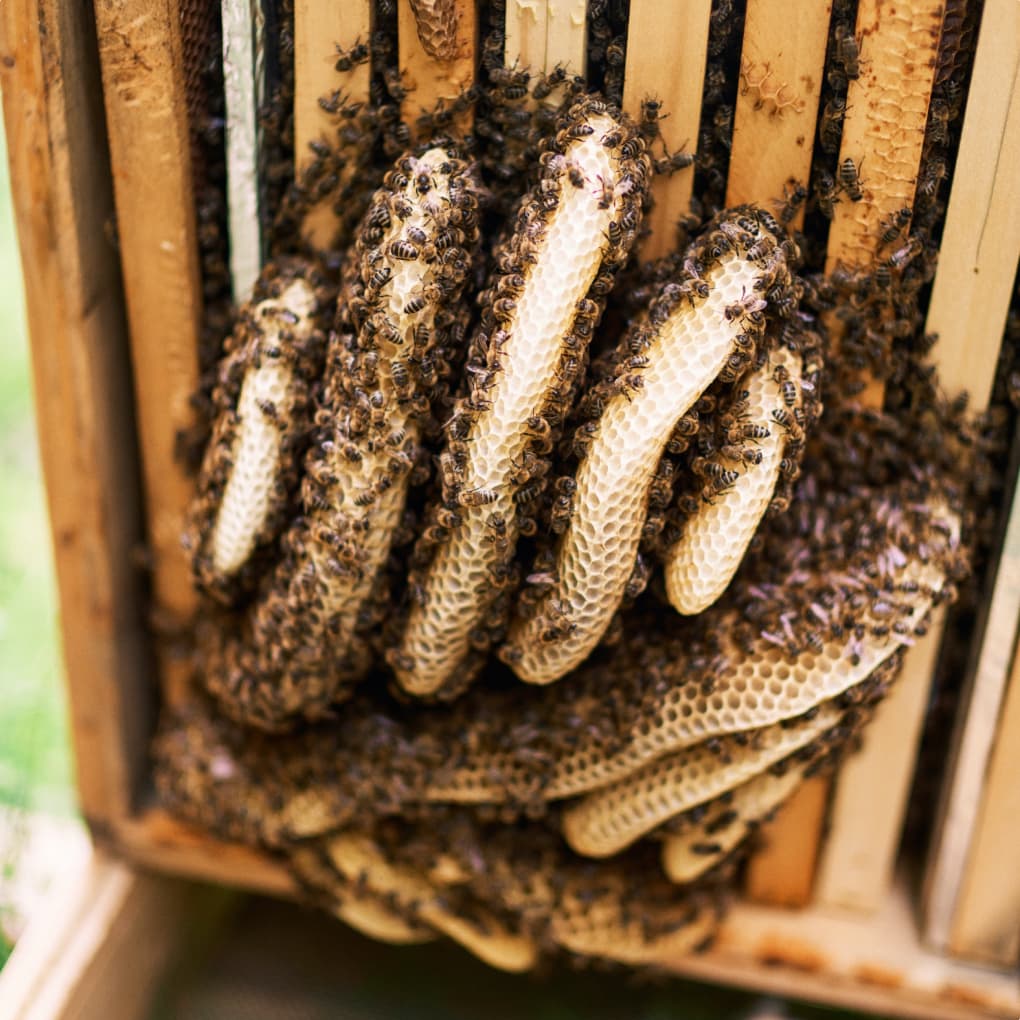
(95, 103)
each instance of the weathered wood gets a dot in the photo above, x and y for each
(526, 26)
(981, 241)
(143, 86)
(105, 943)
(566, 35)
(63, 205)
(970, 299)
(320, 26)
(782, 66)
(970, 751)
(883, 134)
(985, 923)
(431, 79)
(667, 51)
(782, 63)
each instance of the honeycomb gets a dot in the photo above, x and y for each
(562, 242)
(433, 495)
(611, 818)
(755, 688)
(263, 417)
(367, 913)
(687, 855)
(263, 407)
(597, 552)
(358, 860)
(700, 566)
(297, 650)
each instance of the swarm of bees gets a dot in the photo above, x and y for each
(523, 619)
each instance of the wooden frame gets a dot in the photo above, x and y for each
(103, 942)
(86, 330)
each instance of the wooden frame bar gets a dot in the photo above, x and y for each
(146, 115)
(782, 64)
(104, 943)
(431, 78)
(320, 26)
(667, 52)
(883, 131)
(984, 925)
(970, 298)
(61, 186)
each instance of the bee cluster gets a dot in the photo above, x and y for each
(492, 445)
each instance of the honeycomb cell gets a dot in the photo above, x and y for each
(604, 822)
(701, 565)
(597, 552)
(562, 243)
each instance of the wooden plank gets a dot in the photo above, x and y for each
(108, 942)
(667, 51)
(143, 86)
(886, 113)
(870, 799)
(981, 242)
(782, 872)
(155, 839)
(566, 35)
(782, 66)
(970, 751)
(244, 90)
(433, 78)
(883, 133)
(60, 182)
(319, 27)
(976, 263)
(526, 27)
(986, 924)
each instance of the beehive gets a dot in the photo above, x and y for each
(84, 326)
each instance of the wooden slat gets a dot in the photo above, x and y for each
(244, 90)
(110, 937)
(320, 26)
(143, 87)
(883, 133)
(566, 35)
(970, 751)
(986, 924)
(782, 66)
(526, 27)
(970, 299)
(60, 182)
(981, 242)
(782, 872)
(886, 112)
(431, 79)
(667, 51)
(542, 34)
(869, 803)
